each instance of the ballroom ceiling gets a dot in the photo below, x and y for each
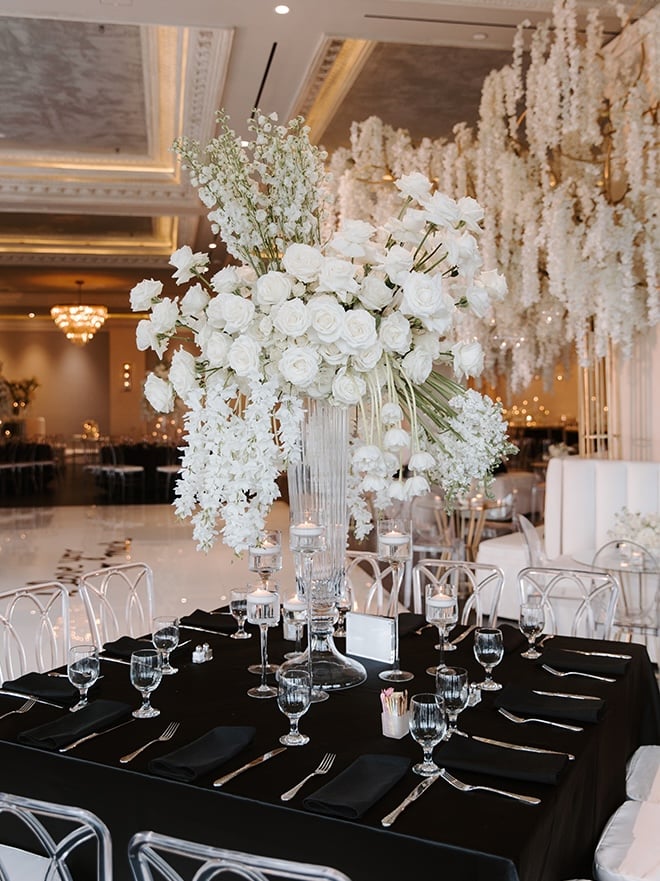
(94, 93)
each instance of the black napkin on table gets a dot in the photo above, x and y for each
(567, 660)
(53, 688)
(207, 752)
(220, 622)
(522, 700)
(409, 623)
(96, 716)
(350, 794)
(470, 755)
(124, 647)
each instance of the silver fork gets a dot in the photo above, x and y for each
(169, 732)
(466, 787)
(324, 766)
(29, 703)
(576, 673)
(519, 720)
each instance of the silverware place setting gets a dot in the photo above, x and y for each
(29, 703)
(468, 787)
(522, 747)
(264, 758)
(520, 720)
(322, 768)
(562, 673)
(65, 749)
(167, 734)
(409, 799)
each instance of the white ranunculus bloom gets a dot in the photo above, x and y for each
(326, 318)
(299, 365)
(237, 312)
(366, 359)
(415, 185)
(183, 374)
(243, 356)
(159, 393)
(291, 318)
(144, 293)
(195, 300)
(338, 277)
(226, 281)
(347, 388)
(303, 262)
(359, 331)
(468, 358)
(374, 294)
(394, 333)
(164, 315)
(216, 349)
(188, 264)
(417, 365)
(271, 289)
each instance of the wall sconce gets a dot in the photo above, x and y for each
(126, 376)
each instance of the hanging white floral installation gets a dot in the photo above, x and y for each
(564, 162)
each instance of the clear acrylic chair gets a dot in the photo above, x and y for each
(577, 602)
(119, 600)
(55, 833)
(155, 857)
(535, 552)
(478, 584)
(34, 629)
(369, 581)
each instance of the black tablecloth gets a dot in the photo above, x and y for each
(445, 835)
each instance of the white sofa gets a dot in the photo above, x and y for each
(582, 497)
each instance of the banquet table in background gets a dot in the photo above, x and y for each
(446, 834)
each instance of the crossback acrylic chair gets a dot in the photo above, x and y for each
(576, 602)
(155, 857)
(479, 584)
(34, 629)
(52, 838)
(119, 600)
(434, 533)
(637, 571)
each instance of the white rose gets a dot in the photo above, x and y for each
(470, 213)
(441, 210)
(272, 288)
(374, 294)
(416, 186)
(463, 252)
(394, 333)
(159, 393)
(359, 331)
(303, 262)
(417, 365)
(226, 281)
(216, 348)
(429, 342)
(421, 294)
(398, 261)
(338, 277)
(326, 318)
(478, 300)
(164, 316)
(183, 375)
(441, 320)
(236, 312)
(195, 300)
(144, 293)
(291, 318)
(146, 336)
(494, 282)
(468, 359)
(299, 366)
(367, 359)
(347, 388)
(188, 264)
(243, 356)
(409, 229)
(332, 354)
(352, 237)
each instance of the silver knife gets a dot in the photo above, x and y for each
(203, 630)
(577, 697)
(65, 749)
(114, 660)
(269, 755)
(463, 635)
(598, 654)
(527, 749)
(26, 697)
(409, 799)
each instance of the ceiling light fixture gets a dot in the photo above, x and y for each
(78, 322)
(479, 35)
(282, 10)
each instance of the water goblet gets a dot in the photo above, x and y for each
(427, 723)
(531, 622)
(265, 556)
(238, 609)
(395, 548)
(83, 670)
(294, 696)
(452, 684)
(294, 614)
(165, 637)
(441, 610)
(263, 609)
(146, 674)
(488, 650)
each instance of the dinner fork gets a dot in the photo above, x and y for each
(29, 703)
(519, 720)
(466, 787)
(323, 767)
(576, 673)
(169, 732)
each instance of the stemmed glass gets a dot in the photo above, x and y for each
(344, 604)
(83, 670)
(488, 650)
(294, 613)
(238, 609)
(294, 696)
(263, 609)
(165, 637)
(265, 556)
(395, 548)
(442, 610)
(146, 674)
(452, 685)
(427, 723)
(531, 622)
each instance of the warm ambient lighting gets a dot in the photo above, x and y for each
(78, 322)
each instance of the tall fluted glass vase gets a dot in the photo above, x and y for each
(317, 484)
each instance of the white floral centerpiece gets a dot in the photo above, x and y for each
(644, 529)
(365, 317)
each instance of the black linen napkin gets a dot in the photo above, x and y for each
(567, 660)
(207, 752)
(521, 700)
(50, 688)
(350, 794)
(220, 623)
(409, 623)
(470, 755)
(96, 716)
(124, 647)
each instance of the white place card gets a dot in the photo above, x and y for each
(370, 636)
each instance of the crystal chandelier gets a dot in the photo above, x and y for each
(77, 321)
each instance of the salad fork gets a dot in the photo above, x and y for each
(168, 734)
(576, 673)
(467, 787)
(520, 721)
(29, 703)
(323, 767)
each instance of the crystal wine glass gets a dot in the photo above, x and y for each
(442, 610)
(427, 723)
(531, 622)
(395, 548)
(146, 675)
(263, 609)
(83, 670)
(488, 650)
(294, 696)
(165, 637)
(452, 684)
(238, 608)
(265, 556)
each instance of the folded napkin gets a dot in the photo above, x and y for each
(350, 794)
(125, 646)
(221, 623)
(52, 688)
(203, 754)
(470, 755)
(568, 660)
(521, 700)
(409, 623)
(96, 716)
